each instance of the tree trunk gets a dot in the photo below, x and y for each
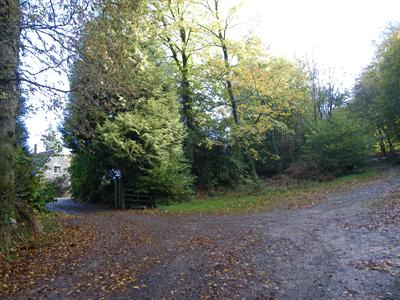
(186, 95)
(235, 114)
(9, 97)
(228, 83)
(315, 106)
(275, 150)
(181, 58)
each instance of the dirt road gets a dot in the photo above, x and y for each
(347, 247)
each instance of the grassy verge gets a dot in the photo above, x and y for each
(289, 196)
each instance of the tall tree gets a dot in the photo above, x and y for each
(217, 26)
(179, 33)
(260, 93)
(367, 104)
(329, 98)
(41, 30)
(51, 140)
(178, 28)
(388, 59)
(313, 79)
(10, 18)
(273, 97)
(218, 30)
(122, 117)
(376, 94)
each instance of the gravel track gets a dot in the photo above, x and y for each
(338, 249)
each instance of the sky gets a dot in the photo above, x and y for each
(338, 35)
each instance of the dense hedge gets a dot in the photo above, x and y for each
(338, 145)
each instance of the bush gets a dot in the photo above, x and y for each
(46, 191)
(217, 167)
(61, 184)
(147, 150)
(300, 170)
(86, 172)
(338, 145)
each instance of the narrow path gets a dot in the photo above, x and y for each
(347, 247)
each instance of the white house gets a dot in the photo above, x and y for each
(57, 165)
(52, 164)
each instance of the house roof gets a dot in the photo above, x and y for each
(40, 159)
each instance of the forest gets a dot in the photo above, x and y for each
(268, 179)
(230, 112)
(165, 97)
(169, 98)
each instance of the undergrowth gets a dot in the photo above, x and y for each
(269, 196)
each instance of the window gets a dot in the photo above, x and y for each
(57, 169)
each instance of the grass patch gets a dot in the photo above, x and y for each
(289, 196)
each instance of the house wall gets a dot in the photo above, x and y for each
(60, 162)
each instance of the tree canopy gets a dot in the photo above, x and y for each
(376, 94)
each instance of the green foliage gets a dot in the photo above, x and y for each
(51, 140)
(45, 193)
(123, 118)
(218, 167)
(389, 67)
(243, 112)
(338, 145)
(148, 149)
(25, 176)
(31, 187)
(118, 67)
(170, 179)
(377, 96)
(86, 173)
